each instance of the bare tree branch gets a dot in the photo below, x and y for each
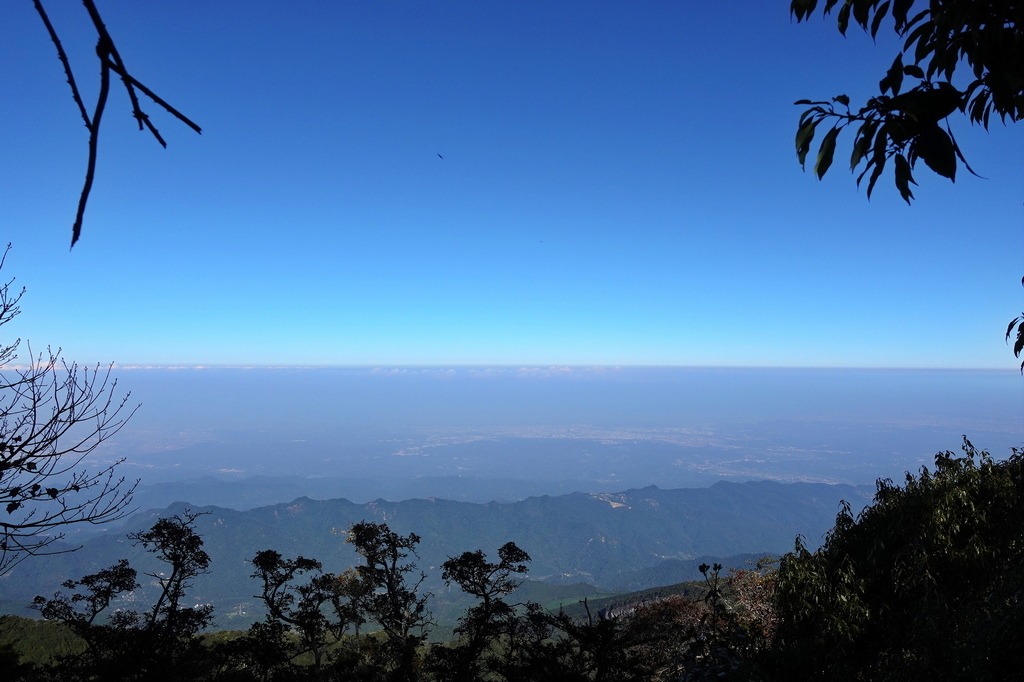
(110, 60)
(53, 415)
(62, 55)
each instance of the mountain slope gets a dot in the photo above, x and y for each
(603, 539)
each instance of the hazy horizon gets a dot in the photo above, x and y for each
(542, 430)
(516, 236)
(383, 368)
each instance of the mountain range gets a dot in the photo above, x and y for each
(614, 542)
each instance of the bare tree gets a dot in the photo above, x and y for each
(53, 414)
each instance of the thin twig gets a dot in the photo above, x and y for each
(113, 56)
(156, 98)
(94, 134)
(64, 61)
(110, 60)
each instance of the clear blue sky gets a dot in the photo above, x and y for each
(618, 187)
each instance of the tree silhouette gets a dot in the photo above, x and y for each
(159, 643)
(320, 610)
(908, 125)
(392, 599)
(486, 622)
(174, 541)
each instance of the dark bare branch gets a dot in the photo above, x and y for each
(54, 414)
(62, 55)
(116, 68)
(110, 60)
(90, 169)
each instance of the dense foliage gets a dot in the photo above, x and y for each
(656, 538)
(927, 583)
(905, 121)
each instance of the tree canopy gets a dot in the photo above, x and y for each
(926, 583)
(907, 121)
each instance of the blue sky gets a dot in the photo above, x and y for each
(618, 186)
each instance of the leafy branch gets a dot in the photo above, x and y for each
(902, 127)
(983, 36)
(1018, 344)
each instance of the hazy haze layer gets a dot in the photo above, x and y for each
(485, 433)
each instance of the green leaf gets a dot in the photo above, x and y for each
(881, 143)
(919, 35)
(867, 167)
(899, 12)
(878, 158)
(1019, 343)
(893, 77)
(875, 174)
(844, 17)
(842, 99)
(861, 10)
(913, 70)
(825, 153)
(926, 104)
(802, 9)
(959, 155)
(1013, 322)
(904, 178)
(862, 142)
(935, 148)
(804, 136)
(879, 15)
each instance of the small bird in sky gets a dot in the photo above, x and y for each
(440, 157)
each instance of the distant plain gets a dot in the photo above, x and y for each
(245, 437)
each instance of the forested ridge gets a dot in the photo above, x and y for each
(616, 542)
(926, 582)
